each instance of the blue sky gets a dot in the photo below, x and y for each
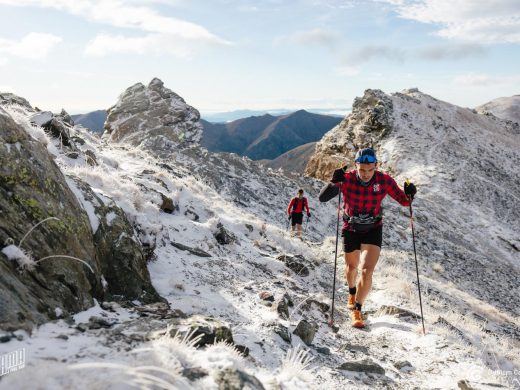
(222, 55)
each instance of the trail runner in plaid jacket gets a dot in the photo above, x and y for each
(363, 189)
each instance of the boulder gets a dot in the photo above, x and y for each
(194, 373)
(167, 204)
(366, 366)
(281, 331)
(306, 331)
(233, 379)
(222, 236)
(210, 329)
(266, 296)
(295, 263)
(122, 260)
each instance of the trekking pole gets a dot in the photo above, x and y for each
(289, 222)
(331, 321)
(306, 224)
(416, 267)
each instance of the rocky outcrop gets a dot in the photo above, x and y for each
(7, 98)
(32, 188)
(153, 116)
(233, 379)
(369, 122)
(122, 260)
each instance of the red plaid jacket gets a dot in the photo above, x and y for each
(367, 200)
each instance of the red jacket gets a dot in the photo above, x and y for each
(299, 206)
(359, 199)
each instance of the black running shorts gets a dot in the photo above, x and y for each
(352, 241)
(296, 219)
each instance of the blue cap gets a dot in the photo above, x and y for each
(366, 156)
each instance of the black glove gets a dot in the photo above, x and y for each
(409, 189)
(308, 215)
(339, 175)
(290, 216)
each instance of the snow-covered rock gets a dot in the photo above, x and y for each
(370, 120)
(153, 116)
(49, 229)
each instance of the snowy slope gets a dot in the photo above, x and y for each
(507, 108)
(249, 203)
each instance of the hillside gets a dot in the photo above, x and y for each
(295, 160)
(242, 304)
(507, 108)
(266, 136)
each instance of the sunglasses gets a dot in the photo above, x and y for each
(366, 159)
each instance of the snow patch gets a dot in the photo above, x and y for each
(59, 312)
(110, 218)
(87, 206)
(24, 259)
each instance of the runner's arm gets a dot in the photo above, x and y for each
(329, 191)
(291, 204)
(396, 193)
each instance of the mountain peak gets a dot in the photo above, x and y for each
(156, 82)
(267, 136)
(153, 115)
(300, 112)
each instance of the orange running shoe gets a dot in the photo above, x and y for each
(351, 304)
(357, 320)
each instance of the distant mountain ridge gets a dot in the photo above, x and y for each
(229, 116)
(94, 120)
(266, 136)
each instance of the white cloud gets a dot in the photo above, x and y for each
(348, 71)
(248, 8)
(450, 52)
(316, 36)
(475, 79)
(6, 88)
(483, 80)
(374, 52)
(480, 21)
(129, 14)
(160, 43)
(34, 46)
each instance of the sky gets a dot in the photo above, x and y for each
(224, 55)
